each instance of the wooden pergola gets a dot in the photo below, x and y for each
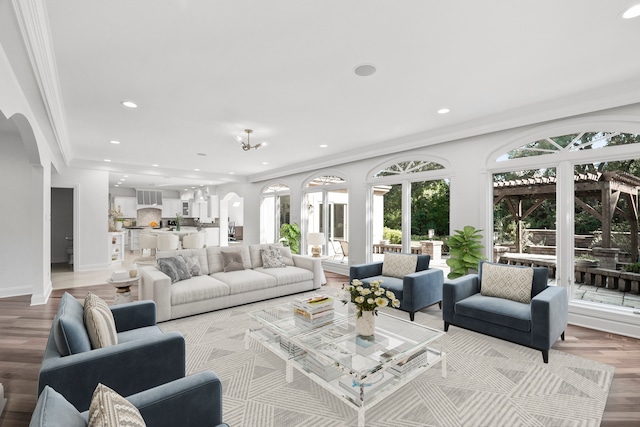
(611, 188)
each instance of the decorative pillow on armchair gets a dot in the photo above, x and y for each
(507, 282)
(398, 265)
(99, 322)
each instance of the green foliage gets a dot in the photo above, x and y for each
(465, 251)
(429, 207)
(291, 234)
(393, 236)
(634, 267)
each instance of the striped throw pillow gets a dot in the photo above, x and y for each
(99, 322)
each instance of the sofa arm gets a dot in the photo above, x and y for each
(127, 368)
(362, 271)
(134, 315)
(455, 290)
(156, 286)
(549, 316)
(422, 289)
(195, 400)
(312, 264)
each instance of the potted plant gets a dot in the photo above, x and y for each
(290, 236)
(465, 251)
(116, 215)
(178, 218)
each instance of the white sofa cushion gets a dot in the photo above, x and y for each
(245, 281)
(287, 276)
(196, 289)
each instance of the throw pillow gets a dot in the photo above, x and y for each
(99, 322)
(174, 267)
(285, 251)
(109, 409)
(193, 264)
(398, 265)
(272, 258)
(508, 282)
(232, 261)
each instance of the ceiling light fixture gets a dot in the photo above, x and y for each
(443, 111)
(632, 12)
(364, 70)
(113, 141)
(129, 104)
(323, 146)
(246, 146)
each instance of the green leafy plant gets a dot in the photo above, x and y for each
(634, 267)
(290, 236)
(393, 236)
(465, 251)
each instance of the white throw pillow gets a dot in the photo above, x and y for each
(285, 251)
(109, 409)
(99, 322)
(398, 265)
(508, 282)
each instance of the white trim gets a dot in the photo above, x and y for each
(40, 299)
(604, 318)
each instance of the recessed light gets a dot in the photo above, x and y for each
(323, 146)
(154, 165)
(107, 160)
(231, 173)
(632, 12)
(364, 70)
(129, 104)
(197, 170)
(443, 111)
(201, 154)
(114, 142)
(117, 185)
(265, 163)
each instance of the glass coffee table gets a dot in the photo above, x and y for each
(360, 371)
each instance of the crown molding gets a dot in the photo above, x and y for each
(34, 26)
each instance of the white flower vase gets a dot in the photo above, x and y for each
(118, 225)
(366, 324)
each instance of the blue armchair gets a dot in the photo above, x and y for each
(144, 357)
(193, 401)
(537, 324)
(415, 291)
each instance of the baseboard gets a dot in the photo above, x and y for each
(40, 299)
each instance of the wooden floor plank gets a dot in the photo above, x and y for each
(24, 331)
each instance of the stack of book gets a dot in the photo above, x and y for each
(314, 310)
(328, 372)
(290, 348)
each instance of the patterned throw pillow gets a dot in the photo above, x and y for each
(174, 267)
(109, 409)
(232, 261)
(272, 258)
(285, 251)
(398, 265)
(193, 264)
(99, 322)
(508, 282)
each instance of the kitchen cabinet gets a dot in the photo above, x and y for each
(128, 206)
(171, 207)
(115, 242)
(134, 239)
(198, 210)
(213, 207)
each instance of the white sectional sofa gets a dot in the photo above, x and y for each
(215, 289)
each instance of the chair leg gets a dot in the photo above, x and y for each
(545, 356)
(440, 304)
(562, 336)
(412, 315)
(446, 326)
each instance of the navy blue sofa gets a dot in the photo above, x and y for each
(537, 325)
(193, 401)
(415, 291)
(144, 357)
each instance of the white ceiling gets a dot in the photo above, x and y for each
(203, 71)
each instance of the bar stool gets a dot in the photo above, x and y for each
(148, 241)
(193, 241)
(168, 242)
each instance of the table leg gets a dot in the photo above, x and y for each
(361, 417)
(247, 337)
(289, 372)
(444, 365)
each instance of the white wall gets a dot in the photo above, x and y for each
(91, 210)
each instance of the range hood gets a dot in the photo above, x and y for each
(149, 198)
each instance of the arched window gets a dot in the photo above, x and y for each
(326, 202)
(410, 202)
(275, 210)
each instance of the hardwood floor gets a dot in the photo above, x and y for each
(24, 331)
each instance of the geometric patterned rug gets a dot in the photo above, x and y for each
(490, 382)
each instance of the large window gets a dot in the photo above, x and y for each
(408, 205)
(596, 238)
(326, 200)
(275, 211)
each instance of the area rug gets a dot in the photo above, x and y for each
(489, 382)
